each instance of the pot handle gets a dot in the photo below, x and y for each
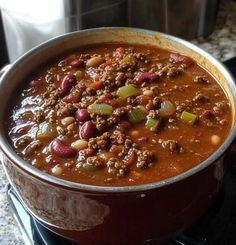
(5, 69)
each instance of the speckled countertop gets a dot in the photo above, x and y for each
(221, 44)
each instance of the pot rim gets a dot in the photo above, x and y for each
(10, 153)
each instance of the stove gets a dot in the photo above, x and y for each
(216, 227)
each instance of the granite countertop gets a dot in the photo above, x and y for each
(221, 44)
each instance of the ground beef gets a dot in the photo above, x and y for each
(201, 80)
(186, 105)
(128, 145)
(51, 96)
(153, 114)
(89, 91)
(174, 72)
(100, 122)
(108, 80)
(100, 142)
(95, 161)
(86, 101)
(200, 98)
(120, 79)
(80, 87)
(171, 145)
(156, 102)
(118, 137)
(221, 107)
(117, 167)
(90, 164)
(39, 116)
(144, 159)
(169, 70)
(66, 109)
(120, 111)
(113, 119)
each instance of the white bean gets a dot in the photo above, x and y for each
(95, 61)
(148, 92)
(215, 139)
(134, 133)
(57, 170)
(167, 108)
(71, 127)
(67, 120)
(79, 144)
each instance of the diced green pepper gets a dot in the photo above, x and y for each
(152, 123)
(128, 91)
(136, 115)
(188, 117)
(46, 131)
(100, 109)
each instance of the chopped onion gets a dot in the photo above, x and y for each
(167, 109)
(46, 131)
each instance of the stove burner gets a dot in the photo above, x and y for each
(216, 227)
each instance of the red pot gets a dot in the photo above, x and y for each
(114, 215)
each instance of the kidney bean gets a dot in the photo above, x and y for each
(177, 58)
(82, 115)
(119, 53)
(35, 83)
(147, 77)
(125, 124)
(87, 130)
(67, 83)
(77, 63)
(72, 98)
(61, 149)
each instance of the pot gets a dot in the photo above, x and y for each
(114, 215)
